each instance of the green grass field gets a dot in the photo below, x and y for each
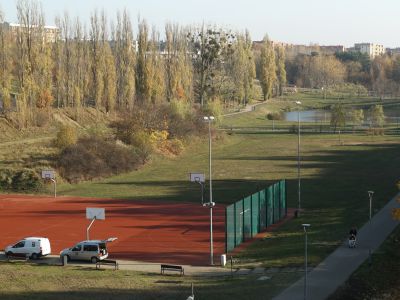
(22, 281)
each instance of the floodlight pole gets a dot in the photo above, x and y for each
(370, 194)
(305, 259)
(209, 119)
(87, 229)
(298, 159)
(55, 187)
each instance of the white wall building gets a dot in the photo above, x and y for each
(369, 48)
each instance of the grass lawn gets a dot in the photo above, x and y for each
(21, 281)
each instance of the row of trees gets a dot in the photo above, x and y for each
(107, 66)
(382, 74)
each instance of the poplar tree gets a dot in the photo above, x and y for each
(96, 53)
(143, 77)
(178, 65)
(125, 60)
(280, 69)
(29, 38)
(6, 60)
(267, 69)
(156, 69)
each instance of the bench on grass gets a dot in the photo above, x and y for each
(107, 262)
(172, 268)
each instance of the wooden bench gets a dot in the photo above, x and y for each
(172, 268)
(107, 262)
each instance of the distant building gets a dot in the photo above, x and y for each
(369, 48)
(50, 33)
(292, 50)
(393, 51)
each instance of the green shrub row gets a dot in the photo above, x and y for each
(25, 180)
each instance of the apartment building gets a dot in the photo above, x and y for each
(49, 34)
(369, 48)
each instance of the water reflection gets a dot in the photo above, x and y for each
(320, 115)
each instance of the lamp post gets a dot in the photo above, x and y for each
(370, 194)
(298, 158)
(211, 204)
(305, 226)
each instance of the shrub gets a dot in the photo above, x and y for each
(67, 136)
(274, 116)
(92, 158)
(6, 179)
(214, 108)
(42, 118)
(172, 146)
(25, 180)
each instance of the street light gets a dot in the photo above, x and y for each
(370, 194)
(211, 204)
(305, 226)
(298, 158)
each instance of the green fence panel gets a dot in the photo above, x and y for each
(276, 202)
(270, 206)
(263, 211)
(230, 227)
(238, 223)
(282, 185)
(247, 217)
(255, 214)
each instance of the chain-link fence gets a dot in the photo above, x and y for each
(251, 215)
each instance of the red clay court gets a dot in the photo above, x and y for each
(148, 231)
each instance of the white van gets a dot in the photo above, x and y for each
(34, 247)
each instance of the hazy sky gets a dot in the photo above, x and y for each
(324, 22)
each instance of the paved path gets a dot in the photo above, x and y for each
(337, 267)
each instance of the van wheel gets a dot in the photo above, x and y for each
(9, 253)
(94, 260)
(34, 256)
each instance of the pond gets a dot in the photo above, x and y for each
(320, 115)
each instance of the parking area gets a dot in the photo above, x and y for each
(147, 231)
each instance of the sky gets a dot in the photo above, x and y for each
(323, 22)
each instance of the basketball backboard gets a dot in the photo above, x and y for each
(95, 213)
(197, 177)
(48, 174)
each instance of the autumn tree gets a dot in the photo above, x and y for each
(338, 116)
(156, 69)
(357, 117)
(29, 41)
(208, 47)
(125, 60)
(6, 69)
(143, 77)
(178, 66)
(280, 69)
(267, 69)
(377, 116)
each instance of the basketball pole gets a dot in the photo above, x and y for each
(55, 187)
